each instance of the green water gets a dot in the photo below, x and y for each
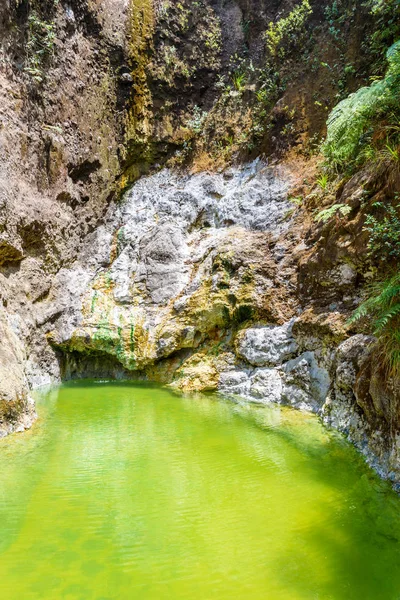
(131, 492)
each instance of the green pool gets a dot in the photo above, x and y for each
(125, 491)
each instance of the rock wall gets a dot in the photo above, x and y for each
(186, 258)
(61, 128)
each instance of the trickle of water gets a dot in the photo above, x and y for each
(126, 491)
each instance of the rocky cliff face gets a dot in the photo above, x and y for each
(200, 274)
(182, 261)
(62, 124)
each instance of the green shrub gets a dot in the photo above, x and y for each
(280, 36)
(384, 233)
(353, 121)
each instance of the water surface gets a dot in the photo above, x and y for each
(125, 491)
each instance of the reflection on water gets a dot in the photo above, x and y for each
(131, 492)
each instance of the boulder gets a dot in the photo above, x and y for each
(266, 346)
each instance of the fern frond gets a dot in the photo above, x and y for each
(352, 122)
(386, 317)
(383, 309)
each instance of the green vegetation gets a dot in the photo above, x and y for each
(382, 307)
(197, 120)
(239, 81)
(390, 153)
(386, 14)
(337, 209)
(323, 181)
(175, 61)
(93, 303)
(384, 233)
(383, 310)
(281, 39)
(356, 124)
(40, 46)
(363, 132)
(240, 123)
(297, 200)
(283, 34)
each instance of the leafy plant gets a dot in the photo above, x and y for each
(239, 80)
(387, 29)
(325, 215)
(282, 34)
(297, 200)
(323, 181)
(384, 233)
(391, 152)
(197, 120)
(40, 46)
(262, 95)
(353, 122)
(383, 309)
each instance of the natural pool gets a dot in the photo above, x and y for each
(125, 491)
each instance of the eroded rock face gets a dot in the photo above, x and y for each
(61, 128)
(266, 346)
(16, 407)
(292, 378)
(363, 403)
(188, 260)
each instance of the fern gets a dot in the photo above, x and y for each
(382, 308)
(385, 318)
(325, 215)
(352, 122)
